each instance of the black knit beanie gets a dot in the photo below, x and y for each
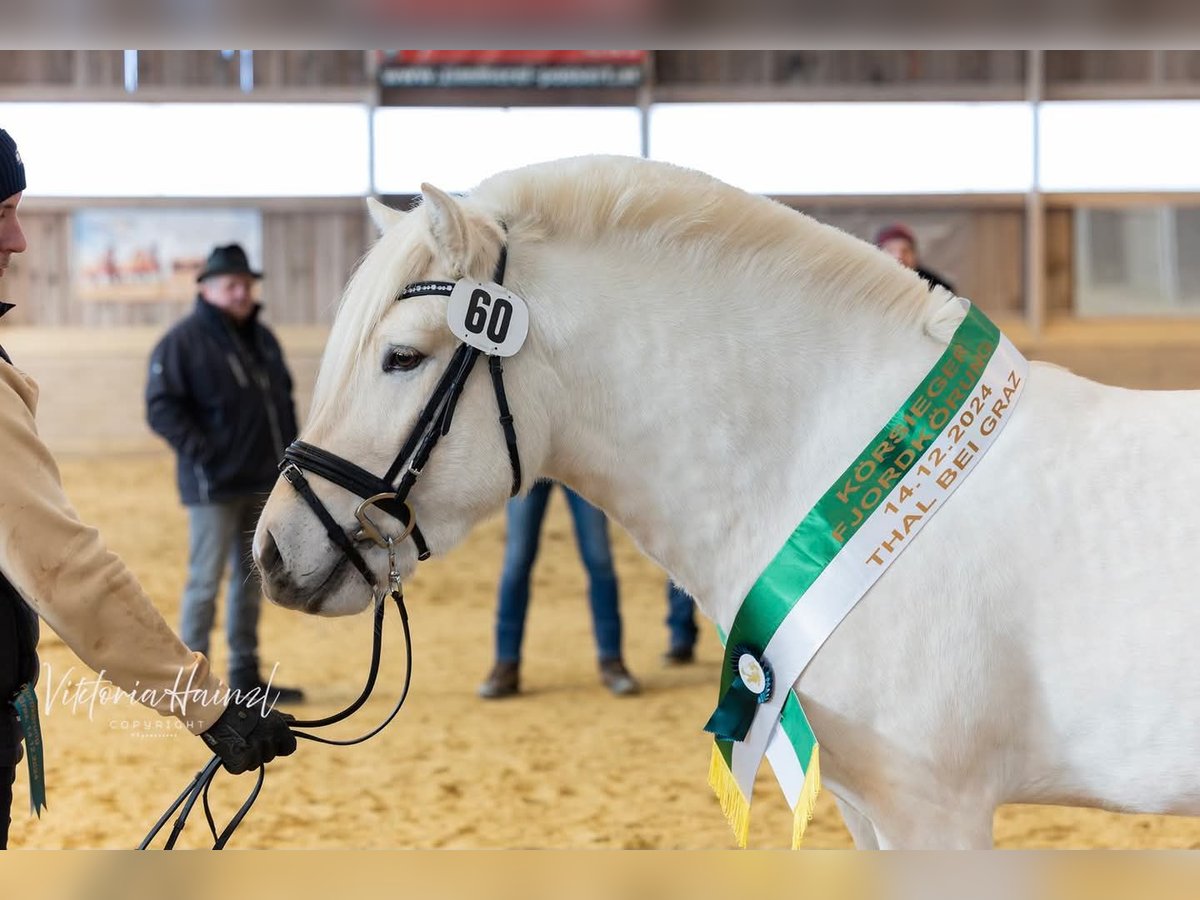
(12, 170)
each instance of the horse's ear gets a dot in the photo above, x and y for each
(383, 215)
(449, 225)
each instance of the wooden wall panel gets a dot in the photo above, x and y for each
(1097, 65)
(988, 70)
(1060, 262)
(184, 68)
(316, 67)
(49, 67)
(187, 68)
(313, 254)
(1182, 65)
(99, 68)
(308, 254)
(839, 67)
(37, 280)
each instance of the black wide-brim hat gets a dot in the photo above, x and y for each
(228, 260)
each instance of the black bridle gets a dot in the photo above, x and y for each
(389, 497)
(385, 494)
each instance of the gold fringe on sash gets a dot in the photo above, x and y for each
(735, 806)
(807, 804)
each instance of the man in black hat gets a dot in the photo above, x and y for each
(220, 393)
(54, 567)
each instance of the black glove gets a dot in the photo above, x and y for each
(245, 738)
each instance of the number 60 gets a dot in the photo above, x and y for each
(483, 314)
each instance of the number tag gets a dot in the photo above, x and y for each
(488, 317)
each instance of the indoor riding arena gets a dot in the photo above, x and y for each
(1057, 190)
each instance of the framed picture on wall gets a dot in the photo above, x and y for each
(153, 255)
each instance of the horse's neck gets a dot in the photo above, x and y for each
(707, 410)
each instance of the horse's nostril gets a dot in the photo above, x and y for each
(269, 559)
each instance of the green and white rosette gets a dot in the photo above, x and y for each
(837, 552)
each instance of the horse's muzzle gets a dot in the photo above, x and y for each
(279, 585)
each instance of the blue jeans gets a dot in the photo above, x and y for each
(221, 532)
(681, 618)
(525, 515)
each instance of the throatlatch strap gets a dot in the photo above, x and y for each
(434, 433)
(502, 262)
(506, 422)
(419, 540)
(468, 363)
(429, 414)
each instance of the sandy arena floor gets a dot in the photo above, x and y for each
(565, 765)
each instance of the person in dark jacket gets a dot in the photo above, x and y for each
(56, 568)
(220, 393)
(898, 240)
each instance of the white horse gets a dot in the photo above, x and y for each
(702, 364)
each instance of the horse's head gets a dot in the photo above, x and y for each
(386, 357)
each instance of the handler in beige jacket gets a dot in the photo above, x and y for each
(55, 567)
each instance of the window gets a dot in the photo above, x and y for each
(1138, 261)
(1120, 146)
(851, 148)
(191, 149)
(457, 148)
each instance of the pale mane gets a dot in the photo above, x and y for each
(592, 197)
(657, 206)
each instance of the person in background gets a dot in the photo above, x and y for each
(898, 240)
(525, 515)
(54, 567)
(220, 393)
(681, 625)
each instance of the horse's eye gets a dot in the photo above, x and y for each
(402, 359)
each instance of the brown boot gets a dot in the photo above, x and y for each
(617, 679)
(502, 681)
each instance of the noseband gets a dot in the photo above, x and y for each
(385, 494)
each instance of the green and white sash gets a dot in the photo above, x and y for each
(837, 552)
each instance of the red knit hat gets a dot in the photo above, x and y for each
(893, 231)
